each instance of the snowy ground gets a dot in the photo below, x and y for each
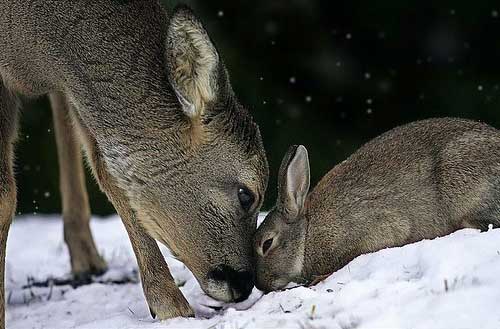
(450, 282)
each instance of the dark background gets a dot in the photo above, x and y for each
(324, 74)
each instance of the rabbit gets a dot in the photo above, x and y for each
(418, 181)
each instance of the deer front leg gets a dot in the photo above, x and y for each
(162, 294)
(164, 298)
(85, 260)
(7, 208)
(8, 118)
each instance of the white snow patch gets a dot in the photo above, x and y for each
(449, 282)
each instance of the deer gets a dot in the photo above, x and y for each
(147, 97)
(418, 181)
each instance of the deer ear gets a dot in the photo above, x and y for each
(193, 62)
(294, 180)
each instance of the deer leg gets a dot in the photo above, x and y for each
(8, 125)
(164, 298)
(85, 260)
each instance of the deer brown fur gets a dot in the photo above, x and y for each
(148, 96)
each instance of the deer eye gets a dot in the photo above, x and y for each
(246, 198)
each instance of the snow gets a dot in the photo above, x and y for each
(449, 282)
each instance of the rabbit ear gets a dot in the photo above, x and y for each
(293, 184)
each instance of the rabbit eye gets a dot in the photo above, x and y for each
(246, 198)
(266, 245)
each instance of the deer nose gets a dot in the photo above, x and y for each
(240, 282)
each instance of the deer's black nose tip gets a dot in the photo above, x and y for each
(240, 282)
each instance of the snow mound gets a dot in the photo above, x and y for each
(449, 282)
